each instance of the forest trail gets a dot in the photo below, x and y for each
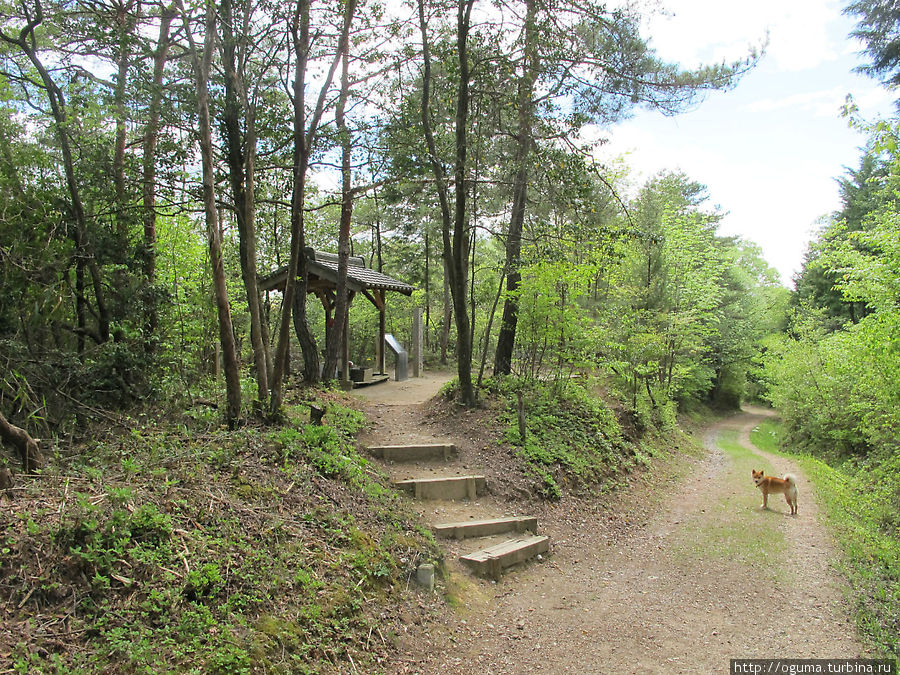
(678, 574)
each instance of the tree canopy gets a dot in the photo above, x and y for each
(157, 159)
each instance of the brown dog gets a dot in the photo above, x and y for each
(786, 485)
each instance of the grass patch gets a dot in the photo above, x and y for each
(730, 530)
(857, 501)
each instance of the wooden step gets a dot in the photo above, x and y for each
(486, 528)
(413, 453)
(490, 562)
(455, 487)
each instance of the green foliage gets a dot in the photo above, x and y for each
(555, 334)
(202, 583)
(685, 311)
(862, 193)
(572, 440)
(838, 392)
(837, 389)
(861, 500)
(98, 539)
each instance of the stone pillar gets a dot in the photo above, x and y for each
(418, 357)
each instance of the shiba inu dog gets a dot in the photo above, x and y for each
(786, 485)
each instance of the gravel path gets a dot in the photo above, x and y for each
(678, 574)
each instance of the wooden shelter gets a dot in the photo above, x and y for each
(322, 275)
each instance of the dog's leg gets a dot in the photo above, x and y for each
(765, 503)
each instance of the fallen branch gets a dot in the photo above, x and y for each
(28, 447)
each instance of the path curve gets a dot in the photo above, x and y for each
(682, 586)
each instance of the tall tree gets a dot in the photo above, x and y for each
(240, 154)
(584, 63)
(454, 225)
(202, 63)
(862, 193)
(878, 27)
(149, 165)
(335, 332)
(525, 105)
(125, 22)
(305, 135)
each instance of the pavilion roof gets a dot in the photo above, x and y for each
(323, 268)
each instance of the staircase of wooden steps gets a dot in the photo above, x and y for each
(498, 543)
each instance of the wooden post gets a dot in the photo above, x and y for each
(345, 373)
(382, 330)
(417, 343)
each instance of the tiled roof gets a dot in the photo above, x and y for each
(324, 265)
(363, 276)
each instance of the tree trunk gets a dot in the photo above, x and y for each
(336, 331)
(378, 250)
(456, 252)
(204, 132)
(427, 289)
(309, 349)
(305, 134)
(151, 136)
(124, 26)
(240, 154)
(447, 316)
(506, 338)
(487, 330)
(80, 302)
(29, 449)
(454, 230)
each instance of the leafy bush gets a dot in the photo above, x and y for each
(571, 435)
(861, 500)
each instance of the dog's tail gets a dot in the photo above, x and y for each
(791, 479)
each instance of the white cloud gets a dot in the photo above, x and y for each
(773, 200)
(825, 103)
(770, 150)
(697, 31)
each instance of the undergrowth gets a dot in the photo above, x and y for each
(179, 546)
(572, 437)
(861, 501)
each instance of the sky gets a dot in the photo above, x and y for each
(770, 150)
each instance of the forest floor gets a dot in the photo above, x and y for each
(681, 571)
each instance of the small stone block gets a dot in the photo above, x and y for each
(425, 576)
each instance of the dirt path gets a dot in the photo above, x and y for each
(679, 574)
